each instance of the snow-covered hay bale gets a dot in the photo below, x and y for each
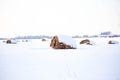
(63, 42)
(113, 42)
(12, 41)
(86, 41)
(43, 39)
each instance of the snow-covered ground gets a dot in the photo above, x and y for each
(36, 60)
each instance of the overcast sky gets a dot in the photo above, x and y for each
(51, 17)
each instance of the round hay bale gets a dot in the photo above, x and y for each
(86, 41)
(26, 40)
(8, 41)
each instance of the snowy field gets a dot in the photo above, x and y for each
(35, 60)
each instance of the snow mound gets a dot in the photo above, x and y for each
(92, 42)
(14, 41)
(67, 40)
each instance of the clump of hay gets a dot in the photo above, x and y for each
(57, 44)
(43, 39)
(113, 42)
(4, 41)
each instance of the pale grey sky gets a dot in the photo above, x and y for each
(50, 17)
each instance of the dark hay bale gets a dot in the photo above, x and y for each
(110, 42)
(8, 41)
